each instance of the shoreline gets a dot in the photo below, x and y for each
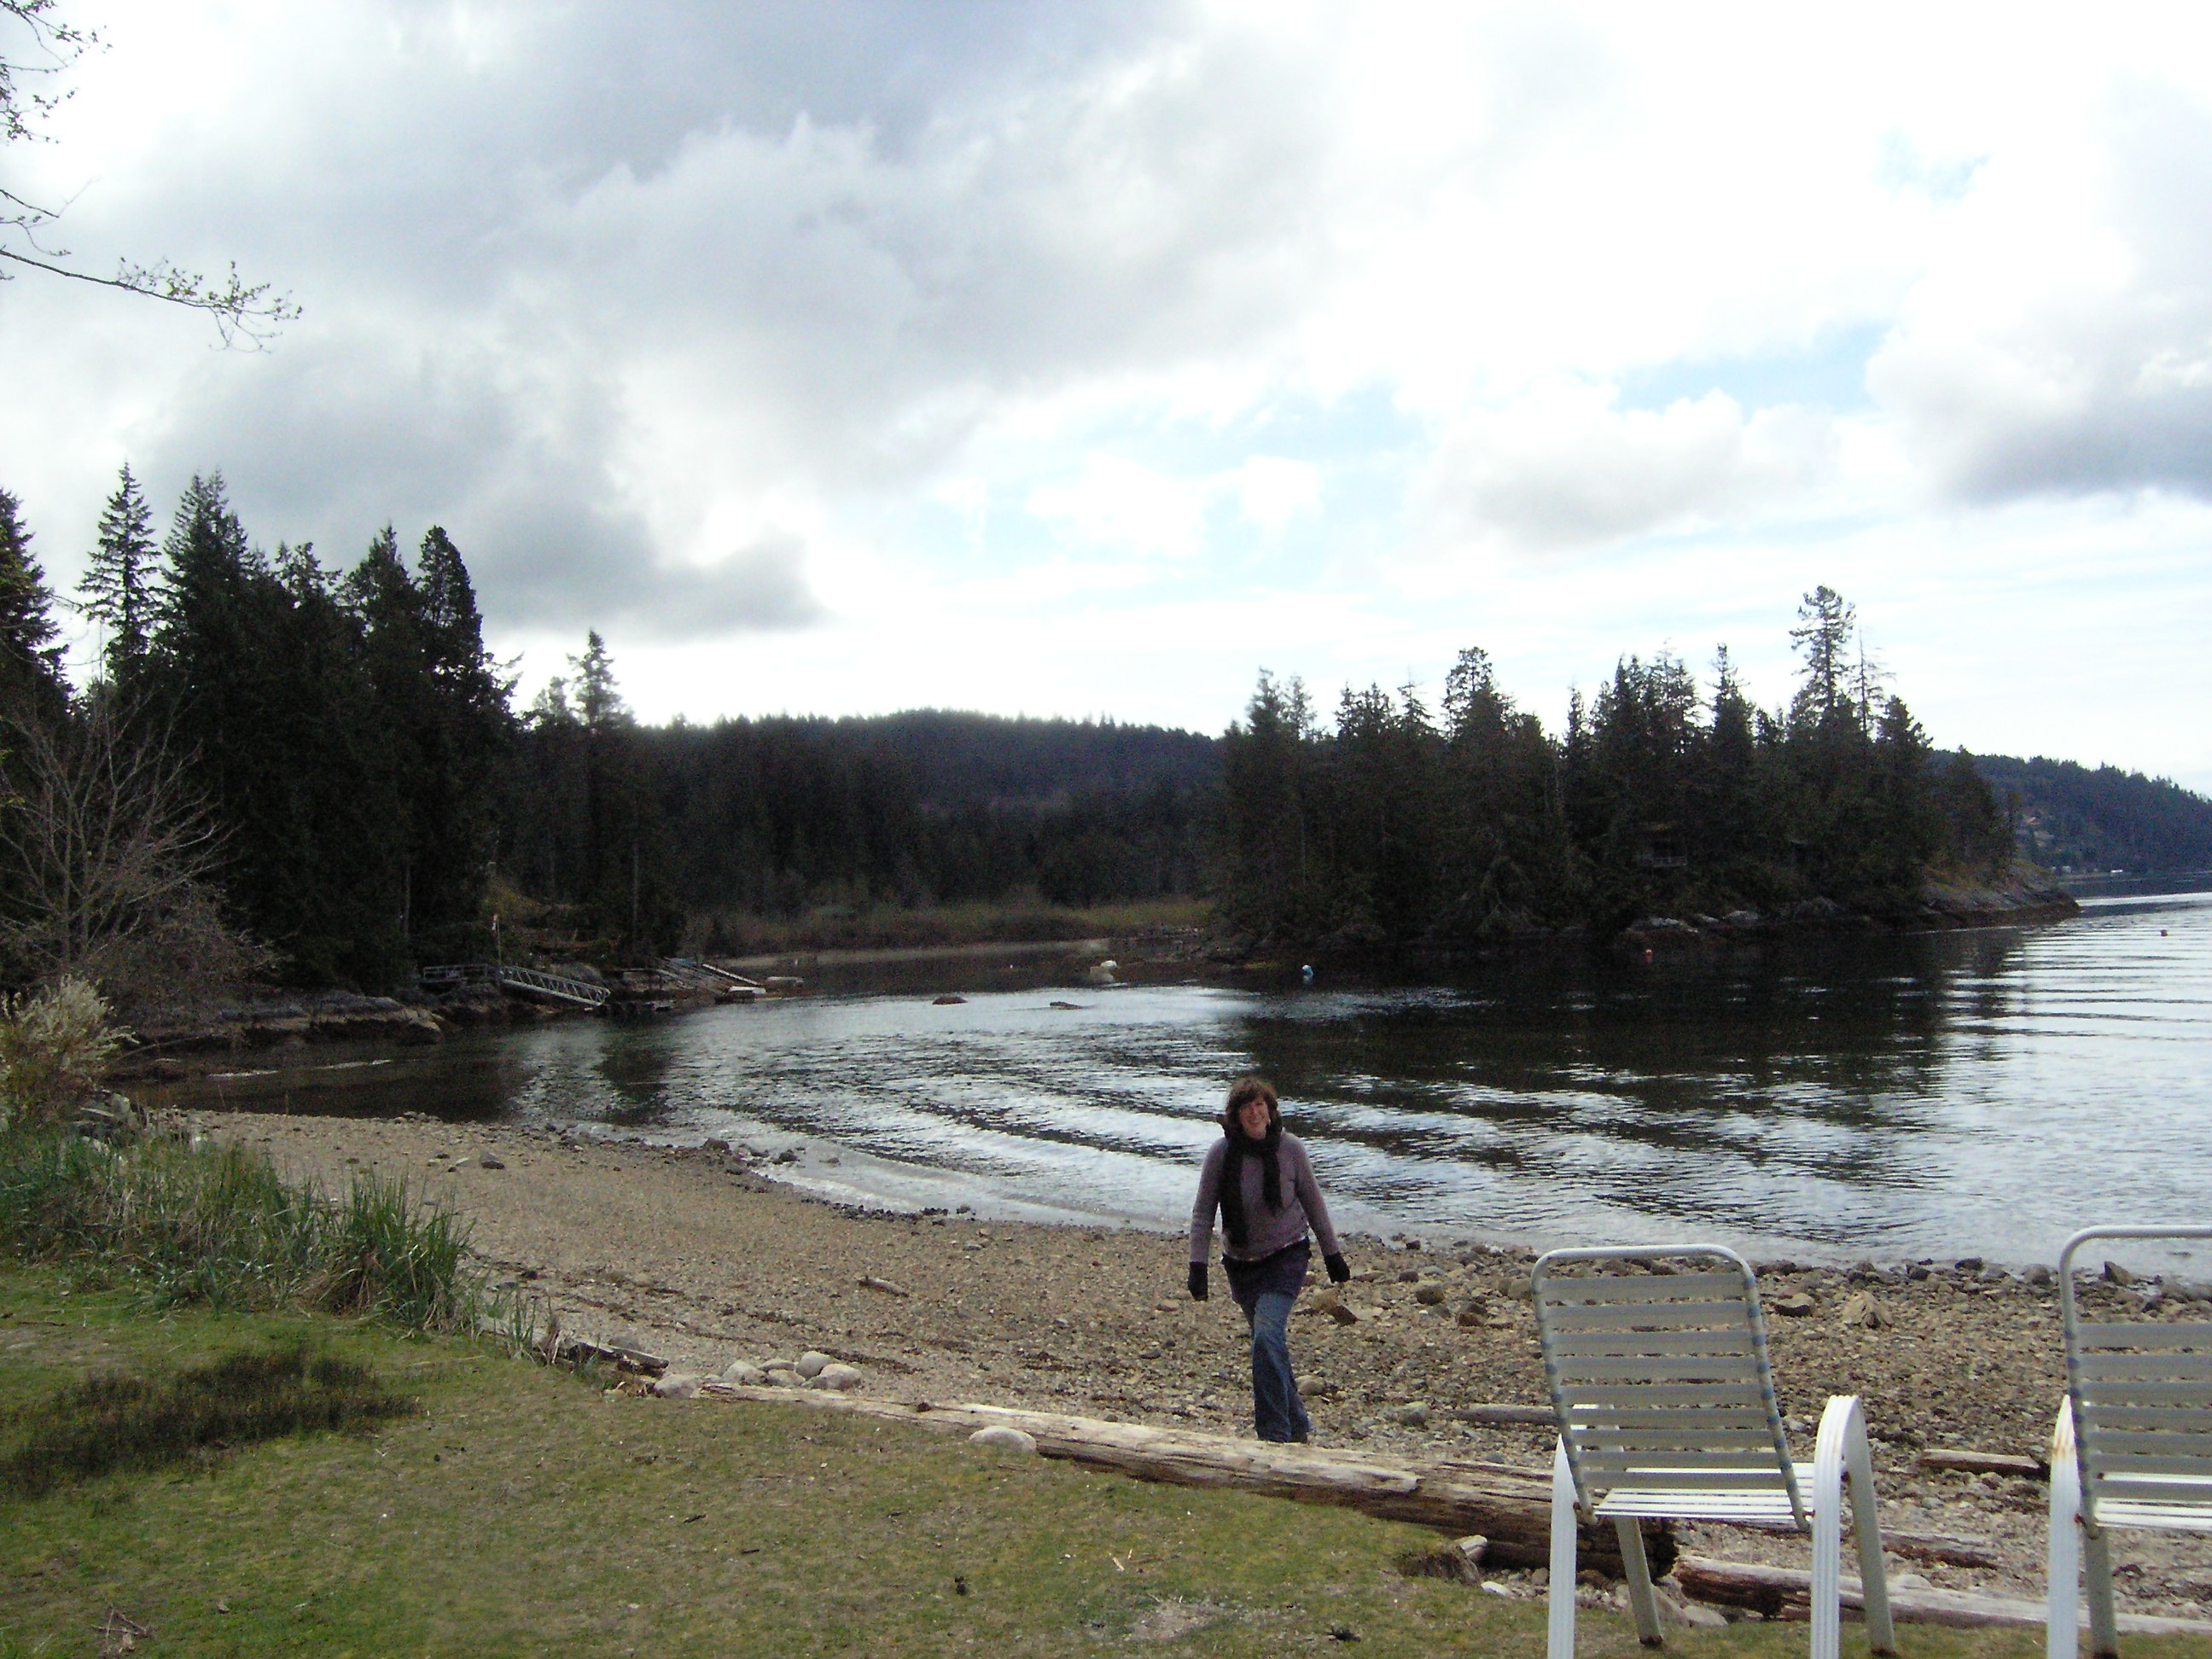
(694, 1255)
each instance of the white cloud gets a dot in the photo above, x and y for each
(1564, 468)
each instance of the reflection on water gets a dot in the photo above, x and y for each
(1982, 1092)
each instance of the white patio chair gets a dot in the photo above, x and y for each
(2133, 1447)
(1666, 1408)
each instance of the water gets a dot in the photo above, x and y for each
(1939, 1095)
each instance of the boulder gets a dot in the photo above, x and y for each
(676, 1385)
(745, 1374)
(839, 1377)
(812, 1364)
(1005, 1439)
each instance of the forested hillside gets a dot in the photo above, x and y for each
(2073, 818)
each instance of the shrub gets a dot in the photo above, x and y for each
(54, 1047)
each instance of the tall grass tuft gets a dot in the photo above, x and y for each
(108, 1422)
(214, 1223)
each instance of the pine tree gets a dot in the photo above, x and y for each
(30, 662)
(117, 588)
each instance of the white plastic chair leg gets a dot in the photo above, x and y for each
(1866, 1519)
(1637, 1568)
(2097, 1574)
(1827, 1609)
(1559, 1626)
(2062, 1560)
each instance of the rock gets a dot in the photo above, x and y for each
(1429, 1293)
(1965, 1264)
(745, 1373)
(1519, 1289)
(839, 1377)
(1413, 1416)
(947, 1001)
(1459, 1560)
(1005, 1439)
(1796, 1305)
(2038, 1274)
(676, 1385)
(782, 1377)
(1332, 1304)
(1861, 1308)
(488, 1161)
(882, 1286)
(1474, 1315)
(813, 1363)
(2116, 1274)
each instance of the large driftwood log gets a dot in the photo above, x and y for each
(1511, 1507)
(1787, 1593)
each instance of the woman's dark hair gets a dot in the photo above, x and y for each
(1243, 1093)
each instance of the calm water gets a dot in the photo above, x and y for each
(1940, 1095)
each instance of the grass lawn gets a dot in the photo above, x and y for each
(519, 1511)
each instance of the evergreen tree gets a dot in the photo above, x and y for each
(1823, 634)
(117, 589)
(30, 662)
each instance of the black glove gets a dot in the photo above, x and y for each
(1198, 1281)
(1340, 1270)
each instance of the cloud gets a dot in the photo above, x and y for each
(1564, 468)
(1119, 503)
(2065, 346)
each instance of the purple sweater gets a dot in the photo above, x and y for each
(1265, 1230)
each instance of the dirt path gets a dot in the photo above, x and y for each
(693, 1255)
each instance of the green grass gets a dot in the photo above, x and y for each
(117, 1421)
(521, 1511)
(214, 1223)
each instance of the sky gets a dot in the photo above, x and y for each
(1085, 361)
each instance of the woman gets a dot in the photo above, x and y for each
(1262, 1184)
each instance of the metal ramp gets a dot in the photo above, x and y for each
(522, 982)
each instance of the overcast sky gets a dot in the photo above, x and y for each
(1085, 359)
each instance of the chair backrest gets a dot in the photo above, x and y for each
(2142, 1394)
(1660, 1379)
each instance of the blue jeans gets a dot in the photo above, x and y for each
(1278, 1414)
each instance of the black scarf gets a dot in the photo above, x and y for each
(1232, 1176)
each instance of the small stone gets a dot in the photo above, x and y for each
(488, 1161)
(1796, 1305)
(1474, 1315)
(1429, 1293)
(745, 1374)
(837, 1377)
(2038, 1274)
(1413, 1416)
(676, 1385)
(2116, 1274)
(813, 1363)
(1005, 1439)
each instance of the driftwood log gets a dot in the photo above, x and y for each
(1787, 1593)
(1511, 1507)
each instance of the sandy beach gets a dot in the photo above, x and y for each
(694, 1255)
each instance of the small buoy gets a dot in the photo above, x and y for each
(1306, 973)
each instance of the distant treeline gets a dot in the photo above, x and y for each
(676, 834)
(2074, 818)
(341, 765)
(1394, 825)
